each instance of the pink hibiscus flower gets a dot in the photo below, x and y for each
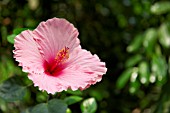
(53, 58)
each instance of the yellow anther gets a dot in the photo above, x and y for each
(62, 55)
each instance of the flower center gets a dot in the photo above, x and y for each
(60, 58)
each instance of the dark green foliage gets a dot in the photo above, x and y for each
(11, 90)
(53, 106)
(72, 99)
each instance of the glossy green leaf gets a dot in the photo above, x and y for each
(11, 38)
(40, 108)
(159, 67)
(17, 31)
(124, 78)
(11, 90)
(144, 72)
(134, 87)
(72, 99)
(3, 106)
(89, 105)
(135, 44)
(150, 40)
(158, 50)
(53, 106)
(164, 35)
(41, 96)
(68, 110)
(160, 7)
(77, 92)
(134, 75)
(133, 60)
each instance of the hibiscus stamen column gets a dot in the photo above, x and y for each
(60, 58)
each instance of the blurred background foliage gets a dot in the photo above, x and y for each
(131, 36)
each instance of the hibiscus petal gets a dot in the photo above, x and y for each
(27, 54)
(55, 34)
(87, 69)
(82, 70)
(46, 82)
(67, 79)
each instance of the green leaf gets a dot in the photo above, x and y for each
(11, 38)
(53, 106)
(40, 108)
(133, 60)
(144, 72)
(134, 75)
(124, 77)
(134, 86)
(68, 110)
(3, 106)
(77, 92)
(41, 96)
(72, 99)
(159, 67)
(150, 40)
(135, 44)
(11, 90)
(89, 106)
(160, 7)
(18, 30)
(164, 35)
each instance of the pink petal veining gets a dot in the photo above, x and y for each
(55, 34)
(27, 54)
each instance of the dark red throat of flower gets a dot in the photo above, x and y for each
(60, 58)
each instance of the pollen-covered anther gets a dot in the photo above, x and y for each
(62, 55)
